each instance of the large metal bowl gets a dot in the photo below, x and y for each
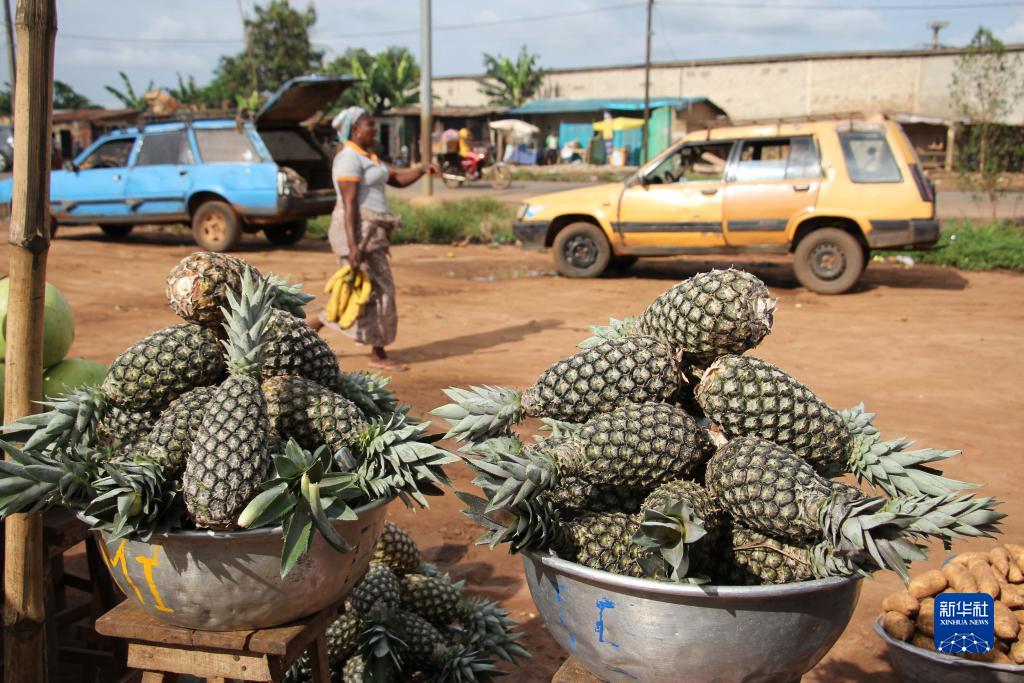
(917, 665)
(229, 581)
(630, 630)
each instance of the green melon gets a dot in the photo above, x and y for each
(72, 373)
(59, 326)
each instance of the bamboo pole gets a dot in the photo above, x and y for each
(36, 26)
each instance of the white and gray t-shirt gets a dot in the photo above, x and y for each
(354, 164)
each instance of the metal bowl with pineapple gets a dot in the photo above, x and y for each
(683, 516)
(235, 475)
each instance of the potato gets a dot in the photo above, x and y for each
(1006, 623)
(1019, 615)
(1000, 658)
(927, 585)
(1015, 575)
(1011, 595)
(902, 602)
(1017, 652)
(926, 617)
(985, 578)
(990, 656)
(959, 578)
(923, 641)
(967, 558)
(999, 558)
(1016, 553)
(898, 625)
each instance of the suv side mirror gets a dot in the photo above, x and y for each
(643, 179)
(69, 165)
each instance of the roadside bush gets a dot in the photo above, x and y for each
(969, 246)
(477, 219)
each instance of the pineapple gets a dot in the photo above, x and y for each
(576, 496)
(615, 373)
(229, 458)
(154, 371)
(605, 541)
(426, 648)
(683, 523)
(635, 447)
(746, 396)
(760, 559)
(198, 285)
(170, 440)
(122, 428)
(397, 550)
(434, 598)
(294, 348)
(380, 589)
(312, 415)
(343, 637)
(354, 670)
(710, 314)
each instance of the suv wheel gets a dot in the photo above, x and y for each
(582, 250)
(828, 261)
(215, 227)
(5, 163)
(116, 231)
(286, 233)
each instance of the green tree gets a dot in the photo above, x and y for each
(190, 95)
(129, 97)
(509, 83)
(65, 97)
(985, 90)
(281, 49)
(388, 79)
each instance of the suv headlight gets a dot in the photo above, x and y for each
(527, 210)
(523, 208)
(284, 188)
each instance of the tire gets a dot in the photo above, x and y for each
(447, 170)
(215, 226)
(828, 261)
(581, 250)
(116, 231)
(5, 163)
(622, 263)
(500, 177)
(285, 234)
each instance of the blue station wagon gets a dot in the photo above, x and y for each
(224, 176)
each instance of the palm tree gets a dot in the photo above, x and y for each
(388, 79)
(128, 96)
(509, 83)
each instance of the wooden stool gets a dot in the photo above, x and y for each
(572, 671)
(161, 651)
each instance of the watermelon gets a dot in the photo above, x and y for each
(72, 373)
(58, 326)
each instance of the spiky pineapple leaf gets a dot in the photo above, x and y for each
(298, 535)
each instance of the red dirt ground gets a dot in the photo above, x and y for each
(936, 352)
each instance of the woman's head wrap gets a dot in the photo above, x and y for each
(344, 121)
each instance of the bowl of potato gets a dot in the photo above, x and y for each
(907, 623)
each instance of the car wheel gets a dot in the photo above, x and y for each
(622, 263)
(116, 231)
(215, 226)
(582, 250)
(286, 233)
(828, 261)
(5, 163)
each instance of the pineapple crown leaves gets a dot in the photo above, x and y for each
(399, 453)
(380, 644)
(480, 412)
(462, 663)
(69, 421)
(486, 626)
(288, 297)
(888, 466)
(670, 532)
(533, 525)
(493, 449)
(615, 329)
(368, 391)
(133, 499)
(511, 479)
(948, 517)
(303, 494)
(559, 429)
(30, 481)
(246, 322)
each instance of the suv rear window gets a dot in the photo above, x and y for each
(225, 145)
(868, 158)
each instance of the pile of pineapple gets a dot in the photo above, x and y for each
(406, 620)
(670, 454)
(237, 417)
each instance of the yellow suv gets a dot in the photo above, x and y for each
(828, 192)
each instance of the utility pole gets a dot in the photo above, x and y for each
(248, 48)
(647, 85)
(11, 66)
(426, 96)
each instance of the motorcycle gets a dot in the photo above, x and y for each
(456, 170)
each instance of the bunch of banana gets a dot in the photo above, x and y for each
(350, 290)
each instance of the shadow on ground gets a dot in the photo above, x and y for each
(469, 344)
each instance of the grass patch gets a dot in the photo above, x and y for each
(968, 246)
(477, 220)
(605, 175)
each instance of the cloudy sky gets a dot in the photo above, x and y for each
(155, 40)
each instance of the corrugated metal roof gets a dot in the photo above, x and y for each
(562, 106)
(454, 112)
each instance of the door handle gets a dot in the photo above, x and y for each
(182, 172)
(709, 191)
(801, 188)
(116, 177)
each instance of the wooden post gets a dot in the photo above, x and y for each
(36, 25)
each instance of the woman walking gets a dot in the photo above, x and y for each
(360, 230)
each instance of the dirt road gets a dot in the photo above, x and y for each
(936, 352)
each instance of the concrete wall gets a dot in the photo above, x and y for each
(773, 87)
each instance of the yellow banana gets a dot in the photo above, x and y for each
(344, 289)
(365, 289)
(351, 314)
(338, 274)
(332, 303)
